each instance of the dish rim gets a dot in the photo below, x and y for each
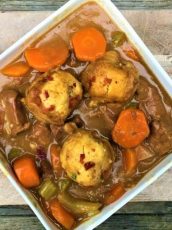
(17, 48)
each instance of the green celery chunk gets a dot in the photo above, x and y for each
(133, 105)
(77, 206)
(13, 154)
(118, 38)
(63, 184)
(48, 189)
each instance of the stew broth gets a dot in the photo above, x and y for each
(37, 138)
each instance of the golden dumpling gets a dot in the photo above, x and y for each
(52, 98)
(110, 79)
(85, 157)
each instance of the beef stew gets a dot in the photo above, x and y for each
(66, 99)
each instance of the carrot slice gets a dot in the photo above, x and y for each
(61, 215)
(89, 44)
(18, 69)
(26, 171)
(117, 192)
(130, 162)
(131, 128)
(55, 159)
(48, 55)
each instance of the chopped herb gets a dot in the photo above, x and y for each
(73, 176)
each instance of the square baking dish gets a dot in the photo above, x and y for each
(15, 50)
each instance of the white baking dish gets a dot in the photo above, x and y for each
(16, 49)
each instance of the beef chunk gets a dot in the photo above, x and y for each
(47, 171)
(101, 118)
(13, 119)
(61, 132)
(144, 152)
(56, 130)
(160, 139)
(40, 134)
(91, 193)
(150, 100)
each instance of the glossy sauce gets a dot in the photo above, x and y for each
(94, 119)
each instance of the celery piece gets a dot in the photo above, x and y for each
(48, 189)
(118, 38)
(133, 105)
(63, 184)
(13, 154)
(77, 206)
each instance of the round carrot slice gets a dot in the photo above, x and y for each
(18, 69)
(48, 55)
(131, 128)
(89, 44)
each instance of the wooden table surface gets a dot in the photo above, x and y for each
(152, 19)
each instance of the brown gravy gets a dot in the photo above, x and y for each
(100, 119)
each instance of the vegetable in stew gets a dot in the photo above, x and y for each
(82, 118)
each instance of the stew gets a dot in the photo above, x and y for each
(82, 118)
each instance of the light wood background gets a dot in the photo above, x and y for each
(154, 27)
